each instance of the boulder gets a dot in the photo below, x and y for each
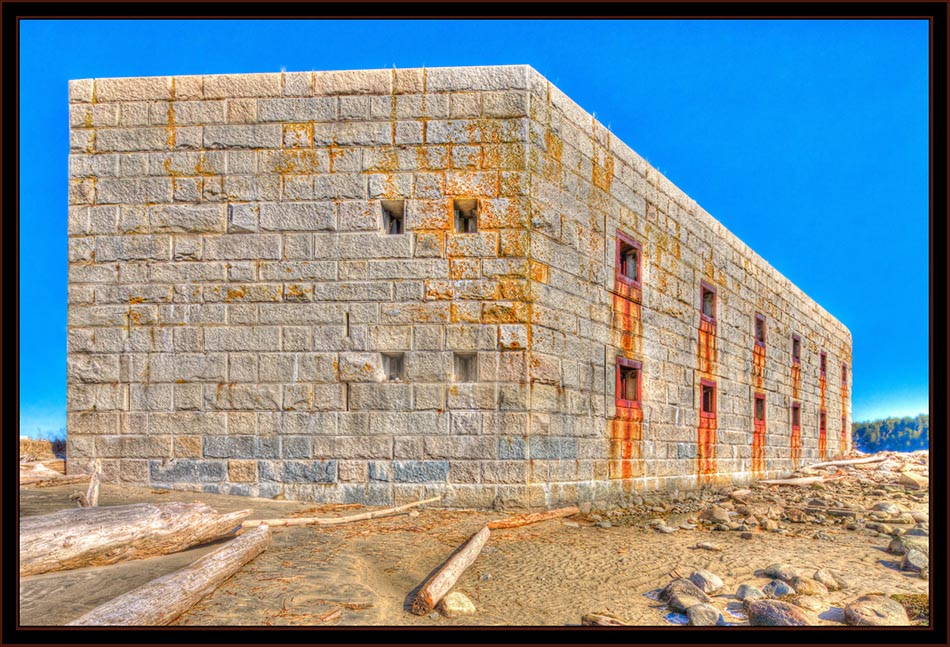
(707, 581)
(715, 514)
(456, 604)
(824, 576)
(681, 594)
(781, 571)
(775, 613)
(750, 592)
(875, 611)
(914, 560)
(808, 586)
(900, 545)
(777, 589)
(704, 615)
(886, 507)
(913, 482)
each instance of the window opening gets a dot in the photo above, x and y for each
(466, 216)
(394, 217)
(466, 367)
(393, 366)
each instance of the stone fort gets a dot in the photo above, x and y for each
(373, 286)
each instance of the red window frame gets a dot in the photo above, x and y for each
(796, 408)
(823, 363)
(703, 288)
(702, 412)
(844, 374)
(623, 362)
(759, 397)
(755, 329)
(796, 359)
(624, 239)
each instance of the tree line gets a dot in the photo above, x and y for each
(905, 434)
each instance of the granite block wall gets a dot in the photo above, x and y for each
(246, 317)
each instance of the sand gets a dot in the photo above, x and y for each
(549, 573)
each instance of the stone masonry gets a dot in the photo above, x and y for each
(372, 286)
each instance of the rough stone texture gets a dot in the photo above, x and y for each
(775, 613)
(232, 291)
(704, 615)
(681, 594)
(875, 611)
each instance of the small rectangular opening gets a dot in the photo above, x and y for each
(708, 301)
(759, 329)
(796, 414)
(628, 259)
(822, 421)
(466, 216)
(707, 399)
(392, 366)
(844, 375)
(760, 407)
(466, 367)
(394, 216)
(628, 382)
(796, 349)
(824, 363)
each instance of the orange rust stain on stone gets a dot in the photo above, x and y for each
(294, 292)
(796, 445)
(843, 443)
(626, 443)
(136, 299)
(758, 447)
(298, 161)
(758, 365)
(796, 380)
(706, 431)
(236, 294)
(504, 313)
(538, 272)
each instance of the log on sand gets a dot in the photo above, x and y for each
(851, 461)
(334, 521)
(99, 536)
(161, 601)
(534, 517)
(437, 586)
(804, 480)
(602, 620)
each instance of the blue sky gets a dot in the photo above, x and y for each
(807, 139)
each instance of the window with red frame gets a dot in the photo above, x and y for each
(796, 414)
(707, 301)
(628, 382)
(759, 329)
(822, 421)
(844, 375)
(707, 399)
(796, 349)
(760, 407)
(824, 363)
(629, 253)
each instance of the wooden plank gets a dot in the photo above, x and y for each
(437, 586)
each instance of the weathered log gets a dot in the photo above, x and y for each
(805, 480)
(437, 586)
(333, 521)
(161, 601)
(92, 492)
(852, 461)
(534, 517)
(106, 535)
(55, 482)
(602, 620)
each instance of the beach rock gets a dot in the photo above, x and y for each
(918, 532)
(900, 545)
(708, 545)
(781, 571)
(769, 525)
(746, 535)
(715, 514)
(795, 515)
(887, 507)
(457, 604)
(875, 611)
(707, 581)
(777, 589)
(687, 526)
(823, 536)
(920, 517)
(681, 594)
(825, 577)
(740, 496)
(666, 530)
(750, 592)
(775, 613)
(808, 586)
(913, 482)
(603, 524)
(914, 560)
(704, 615)
(809, 603)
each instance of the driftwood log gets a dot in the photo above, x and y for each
(804, 480)
(99, 536)
(534, 517)
(333, 521)
(39, 475)
(437, 586)
(163, 600)
(851, 461)
(602, 620)
(91, 499)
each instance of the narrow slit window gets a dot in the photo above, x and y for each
(393, 367)
(844, 375)
(796, 414)
(708, 301)
(822, 421)
(394, 217)
(760, 408)
(466, 216)
(628, 259)
(759, 329)
(628, 382)
(466, 367)
(707, 399)
(824, 363)
(796, 349)
(844, 423)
